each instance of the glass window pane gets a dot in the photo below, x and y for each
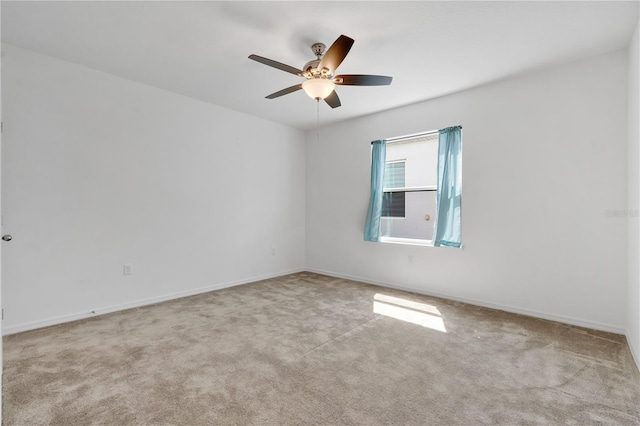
(414, 225)
(393, 204)
(394, 175)
(420, 160)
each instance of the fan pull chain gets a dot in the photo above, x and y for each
(318, 120)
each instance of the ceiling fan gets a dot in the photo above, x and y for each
(321, 82)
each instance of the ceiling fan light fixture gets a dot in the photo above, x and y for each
(318, 88)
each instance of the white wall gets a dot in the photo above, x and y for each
(99, 171)
(544, 159)
(633, 310)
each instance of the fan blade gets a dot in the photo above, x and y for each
(336, 53)
(285, 91)
(333, 100)
(276, 64)
(362, 80)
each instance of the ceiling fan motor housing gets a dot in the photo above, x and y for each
(311, 65)
(310, 69)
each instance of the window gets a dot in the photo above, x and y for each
(416, 189)
(409, 192)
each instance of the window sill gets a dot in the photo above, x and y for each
(407, 241)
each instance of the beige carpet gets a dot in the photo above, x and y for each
(309, 349)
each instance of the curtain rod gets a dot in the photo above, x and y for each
(414, 135)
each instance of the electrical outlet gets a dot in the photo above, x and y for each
(128, 269)
(273, 251)
(410, 258)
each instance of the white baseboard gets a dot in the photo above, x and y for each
(135, 304)
(516, 310)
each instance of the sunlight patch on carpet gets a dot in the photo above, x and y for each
(406, 310)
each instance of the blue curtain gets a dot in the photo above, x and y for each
(449, 190)
(378, 159)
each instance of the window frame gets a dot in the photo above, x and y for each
(434, 134)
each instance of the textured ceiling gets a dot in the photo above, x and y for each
(200, 49)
